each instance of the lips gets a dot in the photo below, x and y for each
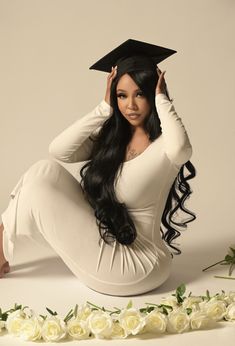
(133, 116)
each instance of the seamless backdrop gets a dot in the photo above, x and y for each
(46, 48)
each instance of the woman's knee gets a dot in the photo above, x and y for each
(48, 179)
(46, 169)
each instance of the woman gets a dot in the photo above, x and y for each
(107, 228)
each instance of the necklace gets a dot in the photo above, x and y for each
(132, 152)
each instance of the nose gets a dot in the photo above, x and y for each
(132, 104)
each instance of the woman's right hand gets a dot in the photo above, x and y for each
(110, 78)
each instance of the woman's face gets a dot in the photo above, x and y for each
(130, 99)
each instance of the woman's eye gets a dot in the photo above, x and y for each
(120, 95)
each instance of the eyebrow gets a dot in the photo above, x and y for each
(125, 90)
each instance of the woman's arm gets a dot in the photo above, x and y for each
(176, 141)
(73, 144)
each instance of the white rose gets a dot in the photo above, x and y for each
(2, 325)
(192, 302)
(131, 321)
(155, 322)
(230, 312)
(100, 324)
(199, 320)
(178, 321)
(202, 305)
(219, 296)
(215, 309)
(230, 297)
(53, 329)
(170, 300)
(84, 312)
(118, 332)
(31, 329)
(78, 329)
(15, 321)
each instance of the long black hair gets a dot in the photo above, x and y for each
(106, 162)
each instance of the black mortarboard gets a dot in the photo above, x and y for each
(133, 55)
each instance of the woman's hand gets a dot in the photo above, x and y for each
(161, 87)
(161, 84)
(110, 78)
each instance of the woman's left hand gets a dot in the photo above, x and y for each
(161, 84)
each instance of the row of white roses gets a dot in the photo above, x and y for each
(175, 314)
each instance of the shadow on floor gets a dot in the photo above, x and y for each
(186, 268)
(45, 267)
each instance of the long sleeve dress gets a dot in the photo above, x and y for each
(48, 204)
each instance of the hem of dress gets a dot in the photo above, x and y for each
(7, 244)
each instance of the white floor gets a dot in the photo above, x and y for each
(40, 279)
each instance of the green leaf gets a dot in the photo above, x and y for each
(147, 310)
(181, 290)
(230, 269)
(233, 250)
(224, 277)
(228, 258)
(118, 309)
(164, 310)
(75, 312)
(4, 316)
(129, 305)
(150, 308)
(68, 316)
(143, 309)
(152, 304)
(25, 307)
(180, 299)
(44, 317)
(189, 311)
(96, 307)
(166, 306)
(51, 312)
(17, 307)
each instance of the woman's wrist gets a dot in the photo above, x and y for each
(159, 91)
(107, 101)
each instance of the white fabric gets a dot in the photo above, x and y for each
(47, 203)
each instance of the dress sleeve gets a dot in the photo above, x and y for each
(176, 141)
(74, 144)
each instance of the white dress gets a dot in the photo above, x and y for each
(48, 203)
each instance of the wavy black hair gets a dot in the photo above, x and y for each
(106, 162)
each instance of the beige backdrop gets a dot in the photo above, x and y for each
(47, 47)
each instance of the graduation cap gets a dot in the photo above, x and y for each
(133, 55)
